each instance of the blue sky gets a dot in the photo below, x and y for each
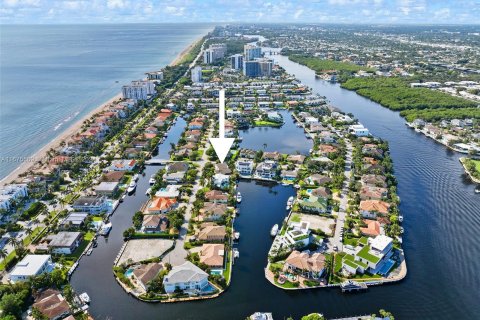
(313, 11)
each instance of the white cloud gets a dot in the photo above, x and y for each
(298, 14)
(114, 4)
(442, 13)
(175, 11)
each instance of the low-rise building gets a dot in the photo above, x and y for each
(212, 233)
(52, 304)
(212, 255)
(308, 265)
(64, 242)
(12, 192)
(161, 205)
(244, 167)
(31, 265)
(92, 205)
(106, 188)
(186, 277)
(146, 273)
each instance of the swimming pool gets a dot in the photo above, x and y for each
(386, 267)
(128, 273)
(218, 272)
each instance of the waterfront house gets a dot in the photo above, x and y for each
(266, 170)
(370, 208)
(154, 223)
(298, 234)
(113, 176)
(10, 193)
(161, 205)
(308, 265)
(216, 196)
(210, 232)
(92, 205)
(74, 220)
(31, 265)
(221, 181)
(272, 156)
(186, 277)
(375, 253)
(174, 177)
(247, 153)
(244, 167)
(64, 242)
(51, 304)
(123, 165)
(212, 254)
(296, 158)
(106, 188)
(212, 211)
(289, 175)
(146, 273)
(372, 193)
(314, 204)
(359, 130)
(170, 191)
(374, 180)
(274, 116)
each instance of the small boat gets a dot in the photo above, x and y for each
(400, 218)
(401, 230)
(131, 187)
(89, 251)
(236, 235)
(135, 177)
(95, 243)
(297, 186)
(239, 197)
(106, 229)
(239, 138)
(274, 230)
(236, 253)
(477, 189)
(84, 297)
(152, 180)
(148, 192)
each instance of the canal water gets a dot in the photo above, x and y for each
(442, 218)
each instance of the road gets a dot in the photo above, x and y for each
(336, 240)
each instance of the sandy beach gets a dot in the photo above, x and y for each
(75, 127)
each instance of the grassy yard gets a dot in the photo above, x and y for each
(338, 262)
(295, 218)
(33, 235)
(262, 123)
(5, 261)
(227, 273)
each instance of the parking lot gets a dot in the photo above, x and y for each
(142, 249)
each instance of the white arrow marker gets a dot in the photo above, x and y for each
(221, 145)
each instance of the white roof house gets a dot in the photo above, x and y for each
(380, 243)
(31, 265)
(170, 191)
(187, 277)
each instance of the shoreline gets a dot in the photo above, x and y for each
(39, 155)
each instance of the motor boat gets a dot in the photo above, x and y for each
(131, 187)
(239, 197)
(274, 230)
(289, 203)
(105, 230)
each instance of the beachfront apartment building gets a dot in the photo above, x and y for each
(11, 192)
(139, 90)
(214, 53)
(236, 61)
(261, 67)
(31, 265)
(251, 52)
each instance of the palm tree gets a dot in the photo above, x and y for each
(3, 254)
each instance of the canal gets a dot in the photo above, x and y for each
(442, 218)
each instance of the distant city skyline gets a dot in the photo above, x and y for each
(223, 11)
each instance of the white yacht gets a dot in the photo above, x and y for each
(84, 297)
(274, 230)
(152, 179)
(239, 197)
(289, 203)
(135, 177)
(131, 186)
(105, 230)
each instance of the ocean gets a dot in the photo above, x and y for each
(53, 75)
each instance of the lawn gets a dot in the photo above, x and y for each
(227, 273)
(262, 123)
(5, 261)
(295, 218)
(338, 262)
(33, 235)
